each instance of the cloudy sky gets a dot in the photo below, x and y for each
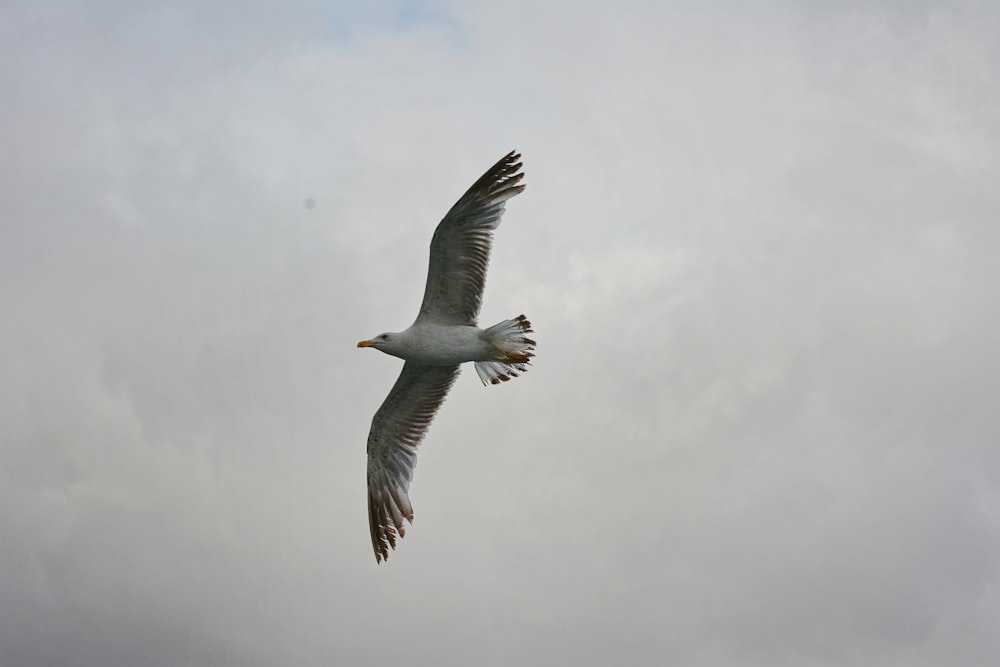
(759, 248)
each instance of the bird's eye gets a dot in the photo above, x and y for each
(383, 337)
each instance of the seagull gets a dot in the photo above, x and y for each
(444, 336)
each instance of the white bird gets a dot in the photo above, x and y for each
(444, 336)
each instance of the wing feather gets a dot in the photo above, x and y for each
(397, 428)
(460, 248)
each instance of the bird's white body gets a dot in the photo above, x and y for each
(499, 352)
(433, 344)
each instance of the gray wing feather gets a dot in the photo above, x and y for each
(460, 248)
(397, 428)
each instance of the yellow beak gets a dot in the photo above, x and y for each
(366, 343)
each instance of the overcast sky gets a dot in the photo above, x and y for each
(759, 248)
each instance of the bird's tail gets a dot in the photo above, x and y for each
(513, 350)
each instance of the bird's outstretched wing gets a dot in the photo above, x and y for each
(397, 429)
(460, 249)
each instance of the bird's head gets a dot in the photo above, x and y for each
(383, 342)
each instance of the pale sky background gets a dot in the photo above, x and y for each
(759, 248)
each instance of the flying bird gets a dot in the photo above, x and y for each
(444, 336)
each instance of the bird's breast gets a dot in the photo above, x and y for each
(445, 345)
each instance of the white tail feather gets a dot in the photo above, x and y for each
(514, 349)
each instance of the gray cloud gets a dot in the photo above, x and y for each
(758, 249)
